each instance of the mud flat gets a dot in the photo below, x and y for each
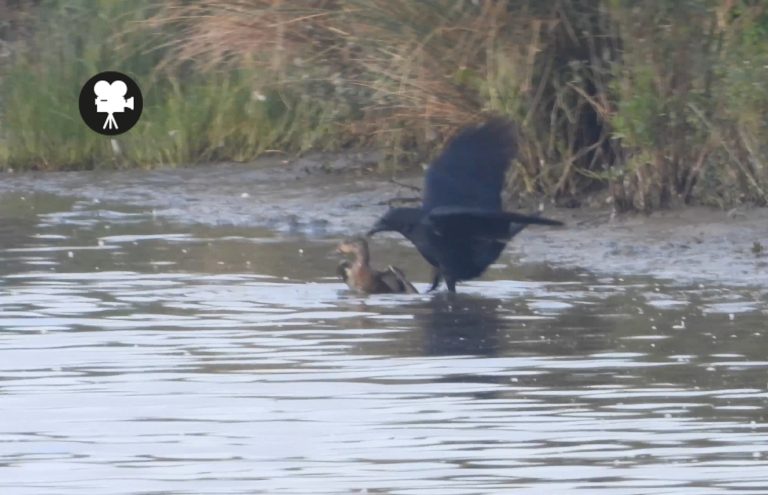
(323, 196)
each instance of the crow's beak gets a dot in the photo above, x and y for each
(378, 227)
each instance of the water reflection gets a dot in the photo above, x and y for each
(459, 324)
(141, 357)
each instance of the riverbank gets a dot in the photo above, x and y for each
(335, 195)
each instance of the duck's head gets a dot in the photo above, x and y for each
(353, 245)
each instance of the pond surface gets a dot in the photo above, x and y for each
(139, 356)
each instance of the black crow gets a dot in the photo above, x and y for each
(461, 228)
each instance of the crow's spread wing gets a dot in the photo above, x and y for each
(470, 171)
(467, 223)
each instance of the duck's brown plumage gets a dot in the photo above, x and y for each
(359, 275)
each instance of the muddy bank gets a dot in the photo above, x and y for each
(332, 195)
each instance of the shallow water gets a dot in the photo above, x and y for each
(139, 356)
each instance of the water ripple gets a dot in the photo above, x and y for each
(163, 360)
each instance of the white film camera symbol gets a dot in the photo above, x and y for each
(110, 99)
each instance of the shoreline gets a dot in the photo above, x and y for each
(323, 196)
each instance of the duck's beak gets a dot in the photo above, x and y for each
(334, 252)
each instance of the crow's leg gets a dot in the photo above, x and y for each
(437, 277)
(451, 283)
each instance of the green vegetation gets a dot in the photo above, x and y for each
(648, 104)
(189, 115)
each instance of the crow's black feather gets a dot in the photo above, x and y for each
(461, 228)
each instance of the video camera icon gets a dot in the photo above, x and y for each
(114, 94)
(110, 99)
